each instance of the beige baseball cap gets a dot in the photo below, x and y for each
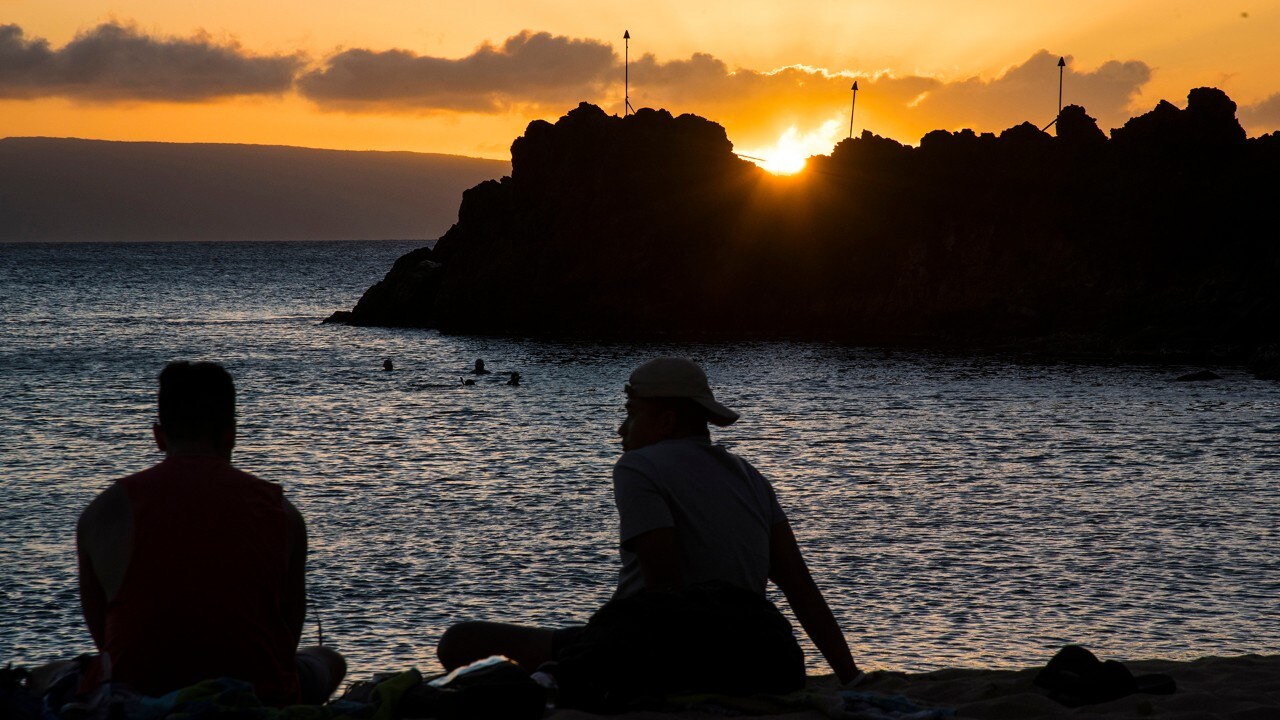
(671, 377)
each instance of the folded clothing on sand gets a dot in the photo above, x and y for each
(1074, 677)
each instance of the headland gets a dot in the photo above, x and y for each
(1155, 242)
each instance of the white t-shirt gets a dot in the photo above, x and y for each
(722, 509)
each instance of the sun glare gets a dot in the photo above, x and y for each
(787, 156)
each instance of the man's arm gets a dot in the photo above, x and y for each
(93, 600)
(295, 608)
(104, 543)
(658, 553)
(788, 571)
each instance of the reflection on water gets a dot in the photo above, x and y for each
(957, 511)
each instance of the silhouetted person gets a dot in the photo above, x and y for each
(690, 513)
(193, 569)
(479, 369)
(515, 379)
(387, 365)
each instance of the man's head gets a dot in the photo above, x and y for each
(197, 409)
(669, 398)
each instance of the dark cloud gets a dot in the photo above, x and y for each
(529, 69)
(1028, 92)
(117, 62)
(1262, 117)
(535, 73)
(703, 80)
(538, 72)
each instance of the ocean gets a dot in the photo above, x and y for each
(957, 510)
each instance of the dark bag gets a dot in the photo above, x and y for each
(482, 691)
(1074, 677)
(704, 638)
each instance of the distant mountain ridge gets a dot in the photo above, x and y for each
(63, 189)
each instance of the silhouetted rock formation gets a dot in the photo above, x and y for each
(1158, 240)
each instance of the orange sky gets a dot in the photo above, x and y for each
(466, 77)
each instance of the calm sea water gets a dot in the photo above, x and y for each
(957, 511)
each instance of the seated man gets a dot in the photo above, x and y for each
(690, 513)
(192, 569)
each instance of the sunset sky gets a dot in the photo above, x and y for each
(467, 77)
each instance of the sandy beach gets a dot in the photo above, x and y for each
(1212, 688)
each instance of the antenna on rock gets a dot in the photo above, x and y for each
(853, 106)
(626, 73)
(1062, 65)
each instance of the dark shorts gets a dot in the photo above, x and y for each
(564, 637)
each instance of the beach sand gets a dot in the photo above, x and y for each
(1211, 688)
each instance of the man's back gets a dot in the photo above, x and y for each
(212, 580)
(721, 509)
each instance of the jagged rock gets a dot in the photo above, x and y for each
(405, 297)
(1076, 128)
(648, 225)
(1209, 122)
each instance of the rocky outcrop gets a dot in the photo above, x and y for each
(649, 225)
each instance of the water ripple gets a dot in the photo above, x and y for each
(956, 511)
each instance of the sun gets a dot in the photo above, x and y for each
(784, 161)
(788, 155)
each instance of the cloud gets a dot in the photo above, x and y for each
(1029, 92)
(117, 62)
(536, 73)
(533, 74)
(529, 69)
(912, 104)
(1261, 117)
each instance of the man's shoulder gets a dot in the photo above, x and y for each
(117, 492)
(107, 515)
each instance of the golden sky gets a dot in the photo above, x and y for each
(467, 77)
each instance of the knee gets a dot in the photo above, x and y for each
(458, 645)
(334, 661)
(321, 671)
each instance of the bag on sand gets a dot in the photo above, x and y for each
(491, 688)
(1074, 677)
(704, 638)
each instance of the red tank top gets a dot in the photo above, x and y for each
(205, 592)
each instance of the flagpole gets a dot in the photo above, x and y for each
(1062, 64)
(853, 106)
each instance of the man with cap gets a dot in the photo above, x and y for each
(690, 513)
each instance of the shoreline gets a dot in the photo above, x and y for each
(1244, 687)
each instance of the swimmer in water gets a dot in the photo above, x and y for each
(479, 368)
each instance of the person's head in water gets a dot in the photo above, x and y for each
(388, 365)
(669, 398)
(197, 409)
(479, 367)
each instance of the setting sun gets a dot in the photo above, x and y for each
(788, 155)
